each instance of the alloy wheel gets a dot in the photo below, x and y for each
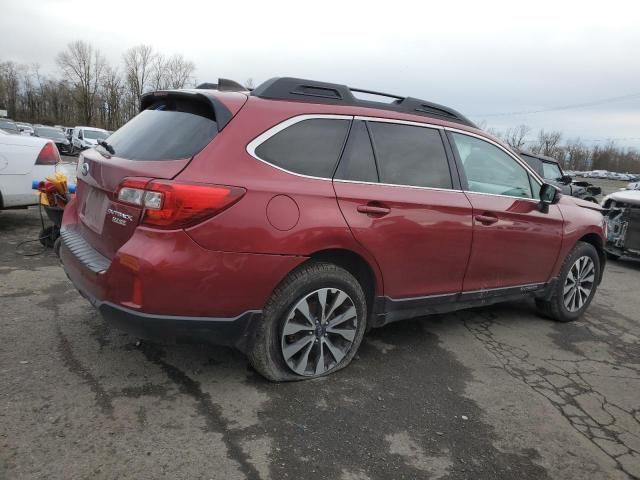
(319, 332)
(579, 283)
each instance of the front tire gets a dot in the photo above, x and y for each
(576, 285)
(311, 326)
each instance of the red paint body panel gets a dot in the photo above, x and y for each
(422, 245)
(520, 248)
(578, 222)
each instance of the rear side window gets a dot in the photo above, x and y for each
(171, 129)
(310, 147)
(358, 162)
(409, 155)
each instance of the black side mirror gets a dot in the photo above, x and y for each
(549, 195)
(566, 179)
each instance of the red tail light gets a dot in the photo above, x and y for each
(168, 204)
(48, 155)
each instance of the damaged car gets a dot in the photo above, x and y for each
(623, 224)
(549, 169)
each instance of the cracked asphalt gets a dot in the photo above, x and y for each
(491, 393)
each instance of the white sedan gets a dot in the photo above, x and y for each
(22, 160)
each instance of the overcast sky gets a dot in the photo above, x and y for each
(483, 58)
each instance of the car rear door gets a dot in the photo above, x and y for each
(514, 243)
(395, 189)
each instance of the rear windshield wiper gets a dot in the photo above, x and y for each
(107, 146)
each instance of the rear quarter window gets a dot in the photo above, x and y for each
(171, 129)
(309, 147)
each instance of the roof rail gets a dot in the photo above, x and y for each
(288, 88)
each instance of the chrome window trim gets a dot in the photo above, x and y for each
(263, 137)
(400, 122)
(266, 135)
(397, 185)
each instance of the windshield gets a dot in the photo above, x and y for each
(95, 134)
(8, 126)
(551, 171)
(52, 133)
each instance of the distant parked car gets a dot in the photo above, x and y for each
(57, 135)
(549, 169)
(9, 126)
(86, 137)
(25, 128)
(634, 186)
(22, 160)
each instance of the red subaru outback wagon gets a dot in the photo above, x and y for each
(288, 220)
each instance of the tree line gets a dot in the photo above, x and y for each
(572, 154)
(88, 90)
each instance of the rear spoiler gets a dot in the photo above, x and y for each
(222, 114)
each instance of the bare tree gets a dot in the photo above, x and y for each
(112, 90)
(548, 143)
(138, 63)
(179, 71)
(159, 78)
(82, 66)
(10, 74)
(516, 137)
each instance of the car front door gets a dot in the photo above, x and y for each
(395, 189)
(514, 242)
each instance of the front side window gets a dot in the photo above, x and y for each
(410, 155)
(490, 170)
(309, 147)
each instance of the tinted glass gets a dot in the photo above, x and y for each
(357, 161)
(409, 155)
(490, 170)
(310, 147)
(533, 162)
(165, 132)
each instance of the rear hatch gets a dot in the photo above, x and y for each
(158, 143)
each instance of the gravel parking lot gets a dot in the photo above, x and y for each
(487, 393)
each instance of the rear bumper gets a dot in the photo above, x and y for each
(166, 287)
(230, 331)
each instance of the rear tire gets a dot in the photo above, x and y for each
(324, 309)
(576, 285)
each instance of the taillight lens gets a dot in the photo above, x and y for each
(48, 155)
(168, 204)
